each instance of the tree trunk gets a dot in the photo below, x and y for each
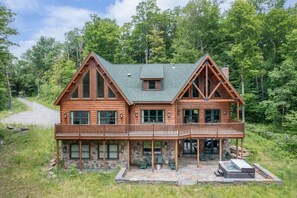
(257, 83)
(9, 91)
(242, 92)
(262, 87)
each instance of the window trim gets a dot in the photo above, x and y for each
(116, 117)
(89, 152)
(142, 116)
(107, 152)
(71, 118)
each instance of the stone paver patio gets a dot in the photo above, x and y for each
(189, 174)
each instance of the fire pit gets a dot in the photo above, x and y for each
(235, 168)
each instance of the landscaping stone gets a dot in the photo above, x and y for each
(10, 127)
(24, 129)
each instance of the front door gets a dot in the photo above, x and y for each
(190, 146)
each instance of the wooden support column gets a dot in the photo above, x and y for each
(241, 151)
(236, 148)
(104, 154)
(128, 152)
(237, 110)
(176, 155)
(153, 156)
(80, 155)
(198, 153)
(58, 157)
(220, 149)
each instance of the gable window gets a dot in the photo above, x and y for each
(111, 151)
(151, 84)
(152, 116)
(75, 93)
(110, 93)
(147, 148)
(100, 86)
(209, 87)
(195, 93)
(191, 115)
(186, 94)
(107, 117)
(212, 115)
(74, 151)
(86, 86)
(79, 117)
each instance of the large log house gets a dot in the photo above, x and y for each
(115, 114)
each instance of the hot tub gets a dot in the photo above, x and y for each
(236, 168)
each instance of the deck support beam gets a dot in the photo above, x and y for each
(128, 153)
(104, 154)
(236, 148)
(198, 152)
(176, 155)
(153, 156)
(80, 155)
(221, 150)
(58, 157)
(241, 151)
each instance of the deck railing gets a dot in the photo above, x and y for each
(151, 130)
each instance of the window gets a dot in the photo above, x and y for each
(86, 86)
(100, 86)
(79, 117)
(186, 95)
(147, 148)
(152, 116)
(152, 84)
(110, 93)
(217, 94)
(111, 151)
(212, 115)
(195, 93)
(74, 151)
(191, 115)
(75, 93)
(107, 117)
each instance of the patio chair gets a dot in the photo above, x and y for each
(142, 164)
(203, 157)
(171, 164)
(149, 160)
(159, 159)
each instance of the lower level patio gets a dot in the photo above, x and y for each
(189, 174)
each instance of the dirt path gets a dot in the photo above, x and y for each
(37, 115)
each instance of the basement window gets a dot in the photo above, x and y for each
(74, 151)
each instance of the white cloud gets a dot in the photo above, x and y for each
(21, 5)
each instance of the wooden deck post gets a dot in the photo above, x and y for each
(58, 157)
(104, 154)
(241, 151)
(80, 155)
(220, 149)
(236, 148)
(176, 155)
(237, 110)
(153, 156)
(128, 153)
(198, 152)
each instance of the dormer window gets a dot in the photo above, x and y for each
(152, 84)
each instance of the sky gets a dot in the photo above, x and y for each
(52, 18)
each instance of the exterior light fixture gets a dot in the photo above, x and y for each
(65, 115)
(169, 114)
(225, 112)
(121, 115)
(136, 114)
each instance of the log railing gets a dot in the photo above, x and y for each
(151, 130)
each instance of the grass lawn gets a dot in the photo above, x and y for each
(43, 102)
(24, 158)
(17, 107)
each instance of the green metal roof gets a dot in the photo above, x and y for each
(152, 71)
(128, 79)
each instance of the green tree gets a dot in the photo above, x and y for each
(74, 46)
(102, 37)
(157, 46)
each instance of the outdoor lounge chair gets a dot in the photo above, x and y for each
(149, 160)
(171, 164)
(142, 164)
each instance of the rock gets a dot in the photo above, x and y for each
(50, 168)
(53, 160)
(10, 127)
(24, 129)
(53, 164)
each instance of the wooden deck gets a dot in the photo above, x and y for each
(150, 131)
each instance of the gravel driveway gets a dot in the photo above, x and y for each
(36, 115)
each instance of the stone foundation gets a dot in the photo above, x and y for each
(94, 163)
